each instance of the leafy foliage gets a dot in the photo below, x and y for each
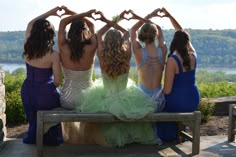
(14, 108)
(211, 84)
(220, 89)
(215, 48)
(207, 109)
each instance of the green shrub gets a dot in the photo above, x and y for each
(14, 108)
(217, 89)
(207, 108)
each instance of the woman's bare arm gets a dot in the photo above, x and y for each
(52, 12)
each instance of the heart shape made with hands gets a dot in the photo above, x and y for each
(160, 13)
(61, 12)
(96, 15)
(127, 15)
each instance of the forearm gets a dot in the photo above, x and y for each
(123, 30)
(161, 39)
(141, 21)
(69, 19)
(90, 25)
(44, 15)
(102, 31)
(175, 24)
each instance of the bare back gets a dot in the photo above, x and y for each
(86, 61)
(150, 66)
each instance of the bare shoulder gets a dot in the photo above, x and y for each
(55, 55)
(171, 61)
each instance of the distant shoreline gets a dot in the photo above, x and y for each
(228, 70)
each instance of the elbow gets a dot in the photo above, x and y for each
(167, 91)
(57, 82)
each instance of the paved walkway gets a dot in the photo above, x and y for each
(211, 146)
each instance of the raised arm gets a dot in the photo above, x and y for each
(175, 24)
(52, 12)
(64, 22)
(134, 29)
(104, 29)
(162, 43)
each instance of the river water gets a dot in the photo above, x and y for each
(11, 67)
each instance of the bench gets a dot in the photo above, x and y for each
(192, 119)
(232, 120)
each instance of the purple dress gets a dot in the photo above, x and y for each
(38, 92)
(184, 97)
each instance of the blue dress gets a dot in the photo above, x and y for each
(38, 92)
(184, 97)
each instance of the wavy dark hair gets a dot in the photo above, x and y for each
(180, 44)
(40, 41)
(78, 37)
(147, 33)
(115, 54)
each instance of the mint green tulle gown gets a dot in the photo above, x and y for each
(121, 97)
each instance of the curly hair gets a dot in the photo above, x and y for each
(78, 37)
(40, 41)
(147, 33)
(180, 43)
(115, 54)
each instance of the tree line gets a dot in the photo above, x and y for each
(215, 48)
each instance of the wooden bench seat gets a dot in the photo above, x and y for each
(192, 119)
(232, 121)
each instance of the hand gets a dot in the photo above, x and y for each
(66, 11)
(156, 12)
(90, 13)
(54, 11)
(98, 15)
(128, 15)
(123, 13)
(165, 12)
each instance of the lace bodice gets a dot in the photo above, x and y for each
(74, 83)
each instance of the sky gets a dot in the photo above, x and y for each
(195, 14)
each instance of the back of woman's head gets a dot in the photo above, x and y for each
(147, 33)
(115, 54)
(41, 39)
(78, 36)
(180, 44)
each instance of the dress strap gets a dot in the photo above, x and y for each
(178, 62)
(144, 57)
(195, 57)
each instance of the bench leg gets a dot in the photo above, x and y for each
(39, 140)
(180, 129)
(232, 119)
(196, 133)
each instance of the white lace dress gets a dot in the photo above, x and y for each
(74, 83)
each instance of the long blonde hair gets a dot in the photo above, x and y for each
(116, 55)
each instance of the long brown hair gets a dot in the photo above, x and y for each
(180, 43)
(78, 37)
(115, 54)
(40, 41)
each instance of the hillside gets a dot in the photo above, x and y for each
(215, 48)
